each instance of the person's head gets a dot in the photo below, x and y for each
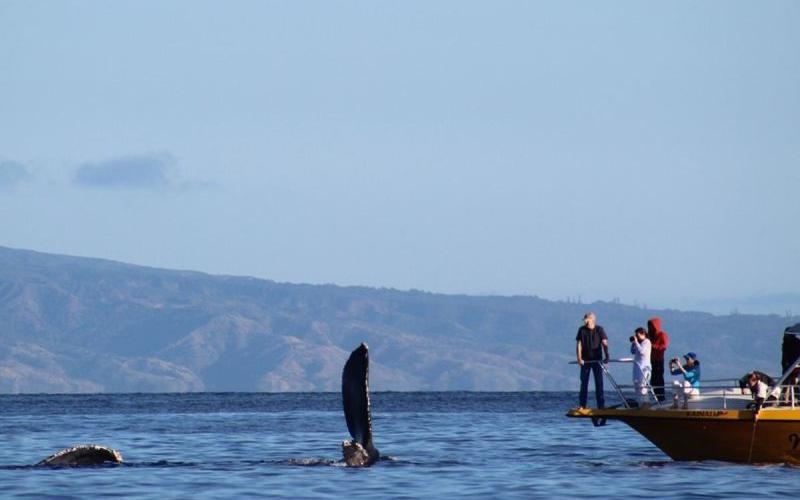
(640, 333)
(691, 358)
(653, 326)
(753, 378)
(589, 320)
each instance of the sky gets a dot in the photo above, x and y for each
(635, 150)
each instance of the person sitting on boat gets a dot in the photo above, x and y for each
(640, 348)
(744, 382)
(758, 389)
(690, 386)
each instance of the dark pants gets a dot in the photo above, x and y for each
(597, 371)
(657, 379)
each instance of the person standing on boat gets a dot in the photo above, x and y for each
(592, 344)
(640, 348)
(659, 341)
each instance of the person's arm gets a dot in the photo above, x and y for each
(578, 353)
(605, 350)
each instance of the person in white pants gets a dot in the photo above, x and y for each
(640, 348)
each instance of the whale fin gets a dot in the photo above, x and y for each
(84, 454)
(355, 396)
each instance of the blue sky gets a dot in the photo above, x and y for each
(646, 151)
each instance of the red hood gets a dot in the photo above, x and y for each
(658, 338)
(655, 322)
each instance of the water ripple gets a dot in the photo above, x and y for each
(506, 445)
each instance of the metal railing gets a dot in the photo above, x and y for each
(784, 395)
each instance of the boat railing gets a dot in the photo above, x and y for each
(784, 396)
(720, 392)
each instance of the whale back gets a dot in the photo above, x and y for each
(85, 454)
(355, 396)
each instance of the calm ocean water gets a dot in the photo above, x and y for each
(508, 445)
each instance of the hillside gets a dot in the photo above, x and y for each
(71, 324)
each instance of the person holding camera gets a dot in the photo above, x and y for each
(691, 376)
(640, 348)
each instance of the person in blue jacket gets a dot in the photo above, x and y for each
(691, 376)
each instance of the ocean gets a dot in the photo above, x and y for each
(444, 444)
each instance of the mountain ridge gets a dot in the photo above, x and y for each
(80, 324)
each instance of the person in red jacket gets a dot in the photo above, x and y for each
(659, 341)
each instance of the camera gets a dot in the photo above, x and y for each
(632, 338)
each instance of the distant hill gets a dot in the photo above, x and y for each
(774, 303)
(71, 324)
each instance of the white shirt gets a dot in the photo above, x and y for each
(760, 390)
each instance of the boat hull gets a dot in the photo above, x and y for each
(771, 436)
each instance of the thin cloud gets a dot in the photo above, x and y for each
(148, 171)
(13, 174)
